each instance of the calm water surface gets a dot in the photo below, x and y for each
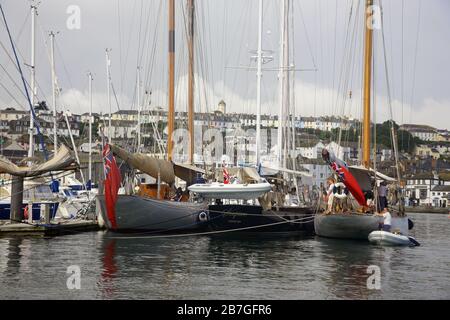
(226, 267)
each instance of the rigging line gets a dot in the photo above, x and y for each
(15, 66)
(414, 65)
(25, 86)
(120, 45)
(211, 61)
(13, 81)
(341, 73)
(224, 46)
(23, 26)
(394, 141)
(58, 51)
(128, 46)
(139, 34)
(115, 96)
(151, 59)
(307, 36)
(334, 50)
(346, 72)
(11, 95)
(201, 58)
(206, 73)
(402, 62)
(244, 13)
(23, 59)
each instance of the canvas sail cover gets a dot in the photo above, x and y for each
(187, 172)
(147, 164)
(60, 161)
(365, 177)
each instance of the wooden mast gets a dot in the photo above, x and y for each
(171, 113)
(191, 8)
(367, 84)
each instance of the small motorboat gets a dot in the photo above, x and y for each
(217, 190)
(391, 239)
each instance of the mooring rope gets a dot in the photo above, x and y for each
(213, 232)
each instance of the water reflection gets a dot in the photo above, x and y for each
(346, 263)
(226, 267)
(109, 269)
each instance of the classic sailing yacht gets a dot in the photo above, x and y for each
(151, 210)
(361, 220)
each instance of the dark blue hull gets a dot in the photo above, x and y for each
(252, 219)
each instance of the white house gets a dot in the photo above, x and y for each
(420, 186)
(423, 132)
(440, 196)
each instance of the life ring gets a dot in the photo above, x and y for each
(203, 216)
(342, 187)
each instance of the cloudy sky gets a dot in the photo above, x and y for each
(326, 49)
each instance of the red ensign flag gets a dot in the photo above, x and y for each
(112, 184)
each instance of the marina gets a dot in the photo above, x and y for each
(269, 154)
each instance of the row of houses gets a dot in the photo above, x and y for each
(426, 133)
(226, 120)
(435, 150)
(17, 122)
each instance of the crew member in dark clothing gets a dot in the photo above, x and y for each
(382, 196)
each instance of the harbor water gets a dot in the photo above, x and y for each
(226, 267)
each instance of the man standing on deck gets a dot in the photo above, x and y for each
(382, 196)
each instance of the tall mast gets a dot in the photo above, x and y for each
(367, 84)
(258, 85)
(90, 127)
(191, 12)
(171, 114)
(33, 78)
(138, 94)
(55, 122)
(108, 87)
(283, 80)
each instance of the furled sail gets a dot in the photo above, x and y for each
(60, 161)
(152, 166)
(147, 164)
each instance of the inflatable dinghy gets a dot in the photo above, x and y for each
(391, 239)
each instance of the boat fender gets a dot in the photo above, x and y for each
(203, 216)
(410, 224)
(342, 187)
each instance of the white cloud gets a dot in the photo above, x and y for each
(78, 101)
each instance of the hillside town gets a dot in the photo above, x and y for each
(424, 150)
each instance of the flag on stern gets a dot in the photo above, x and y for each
(112, 184)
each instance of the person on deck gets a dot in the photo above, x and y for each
(178, 194)
(382, 196)
(330, 194)
(200, 179)
(386, 225)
